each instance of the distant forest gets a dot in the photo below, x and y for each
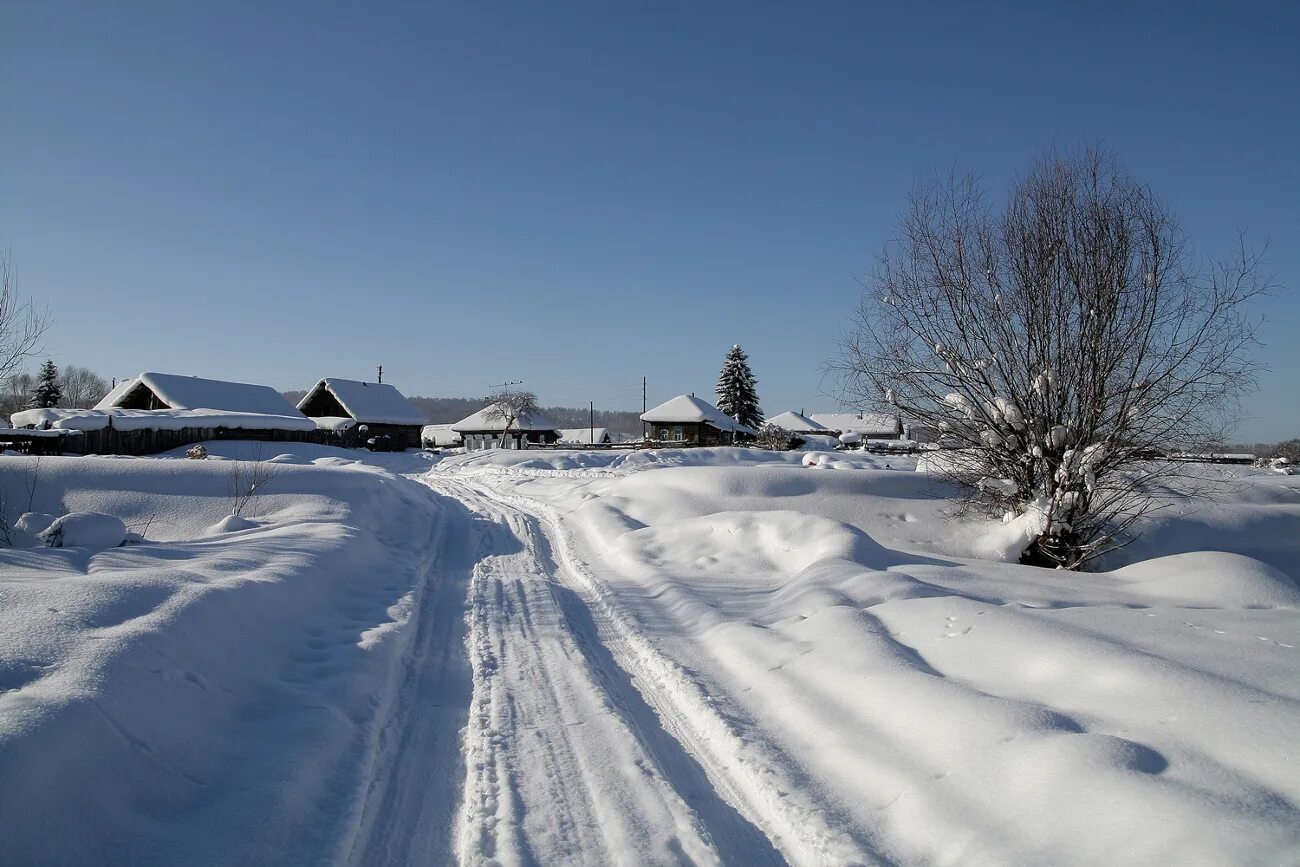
(445, 410)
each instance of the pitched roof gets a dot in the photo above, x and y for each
(687, 409)
(864, 423)
(583, 435)
(193, 392)
(796, 423)
(486, 420)
(117, 393)
(369, 402)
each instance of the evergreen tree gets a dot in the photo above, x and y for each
(48, 392)
(737, 389)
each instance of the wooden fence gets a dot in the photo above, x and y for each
(111, 441)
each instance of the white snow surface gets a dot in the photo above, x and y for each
(336, 423)
(709, 656)
(583, 435)
(193, 392)
(439, 435)
(370, 402)
(91, 530)
(796, 423)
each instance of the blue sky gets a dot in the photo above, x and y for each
(575, 194)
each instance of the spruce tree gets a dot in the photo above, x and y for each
(48, 392)
(737, 389)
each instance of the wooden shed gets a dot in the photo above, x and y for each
(486, 429)
(380, 414)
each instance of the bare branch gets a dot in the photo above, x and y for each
(1060, 343)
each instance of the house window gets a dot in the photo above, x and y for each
(677, 435)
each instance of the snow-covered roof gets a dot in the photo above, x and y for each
(193, 392)
(865, 423)
(485, 420)
(794, 422)
(158, 419)
(687, 409)
(369, 402)
(439, 435)
(584, 435)
(116, 394)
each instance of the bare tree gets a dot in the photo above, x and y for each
(1060, 343)
(510, 408)
(17, 392)
(21, 324)
(82, 388)
(248, 479)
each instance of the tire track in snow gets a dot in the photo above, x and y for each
(744, 772)
(566, 762)
(408, 808)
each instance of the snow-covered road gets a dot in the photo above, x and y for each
(566, 761)
(719, 656)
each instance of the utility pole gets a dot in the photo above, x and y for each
(591, 435)
(381, 373)
(643, 430)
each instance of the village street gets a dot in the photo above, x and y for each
(667, 656)
(564, 760)
(584, 688)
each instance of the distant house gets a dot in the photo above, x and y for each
(585, 436)
(867, 425)
(486, 429)
(382, 415)
(687, 420)
(439, 436)
(170, 391)
(797, 423)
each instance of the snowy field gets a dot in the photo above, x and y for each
(714, 656)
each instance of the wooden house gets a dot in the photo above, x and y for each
(156, 412)
(688, 420)
(381, 416)
(486, 429)
(169, 391)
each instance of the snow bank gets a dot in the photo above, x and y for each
(862, 686)
(92, 530)
(817, 442)
(336, 423)
(738, 544)
(212, 695)
(1211, 579)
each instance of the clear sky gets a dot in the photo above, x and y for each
(575, 194)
